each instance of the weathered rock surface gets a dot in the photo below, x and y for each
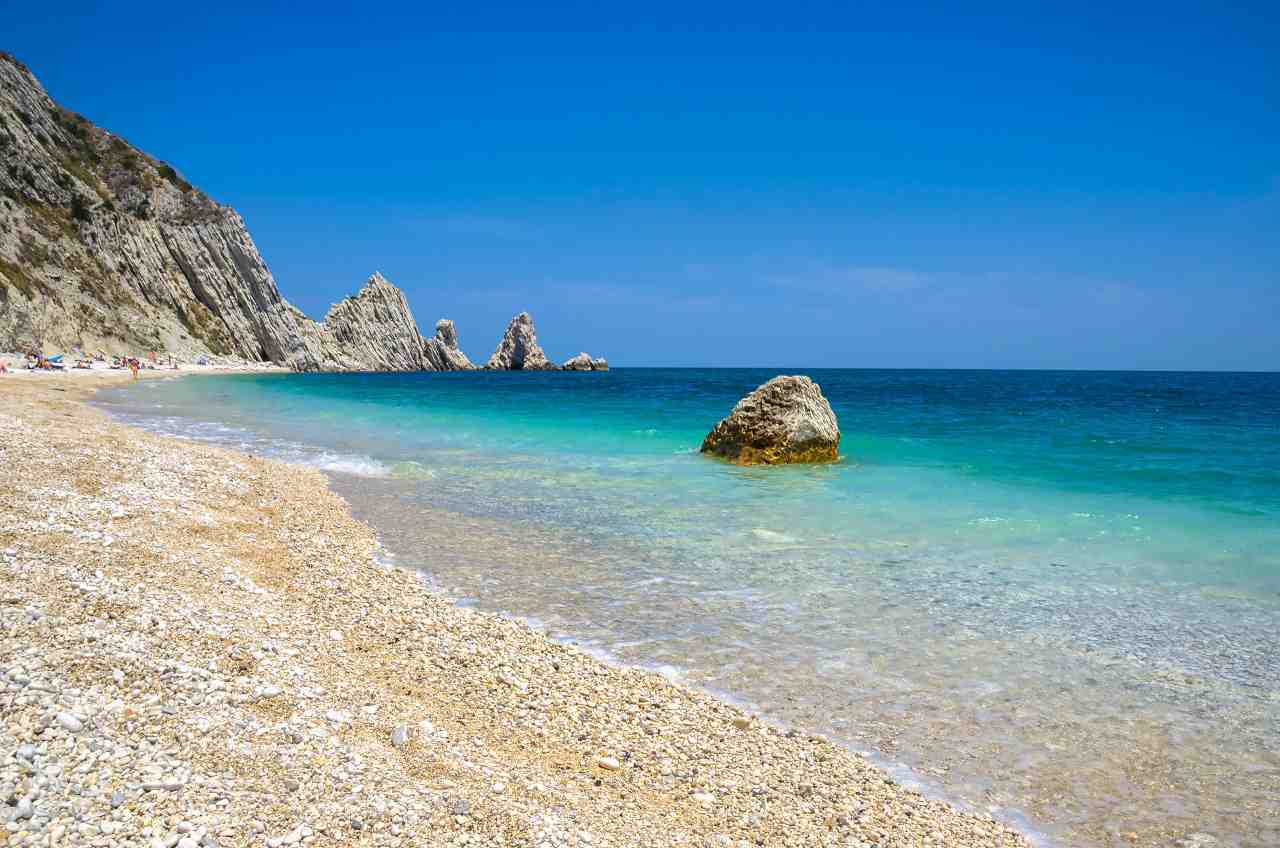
(584, 362)
(441, 353)
(785, 420)
(105, 248)
(372, 330)
(519, 349)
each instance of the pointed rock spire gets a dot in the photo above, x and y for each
(441, 353)
(519, 350)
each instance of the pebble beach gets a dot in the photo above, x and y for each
(202, 648)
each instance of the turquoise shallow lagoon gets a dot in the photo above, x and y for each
(1053, 595)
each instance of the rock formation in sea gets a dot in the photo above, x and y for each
(373, 330)
(519, 350)
(786, 420)
(441, 353)
(585, 362)
(107, 249)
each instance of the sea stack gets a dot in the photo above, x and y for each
(519, 350)
(786, 420)
(585, 362)
(373, 330)
(442, 353)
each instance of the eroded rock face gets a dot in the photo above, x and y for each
(584, 362)
(786, 420)
(441, 353)
(373, 330)
(108, 249)
(519, 349)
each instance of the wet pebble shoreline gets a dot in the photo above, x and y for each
(198, 648)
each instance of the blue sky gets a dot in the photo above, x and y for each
(799, 184)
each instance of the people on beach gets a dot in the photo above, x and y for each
(133, 367)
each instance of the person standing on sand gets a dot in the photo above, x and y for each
(133, 367)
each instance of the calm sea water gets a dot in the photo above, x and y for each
(1055, 596)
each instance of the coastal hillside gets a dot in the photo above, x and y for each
(107, 249)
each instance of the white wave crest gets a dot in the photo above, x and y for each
(353, 464)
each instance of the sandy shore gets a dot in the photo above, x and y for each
(202, 648)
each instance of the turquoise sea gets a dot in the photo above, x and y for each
(1052, 595)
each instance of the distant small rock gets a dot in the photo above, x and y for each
(585, 362)
(786, 420)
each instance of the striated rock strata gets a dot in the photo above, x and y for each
(519, 349)
(107, 249)
(441, 353)
(104, 247)
(373, 330)
(786, 420)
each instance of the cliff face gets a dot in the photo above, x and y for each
(105, 248)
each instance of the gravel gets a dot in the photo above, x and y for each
(181, 686)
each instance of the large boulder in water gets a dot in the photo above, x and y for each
(785, 420)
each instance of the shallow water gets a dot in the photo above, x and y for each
(1051, 595)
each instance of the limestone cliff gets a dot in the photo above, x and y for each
(106, 248)
(519, 349)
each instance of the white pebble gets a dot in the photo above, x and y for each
(70, 722)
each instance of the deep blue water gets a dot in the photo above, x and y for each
(1076, 574)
